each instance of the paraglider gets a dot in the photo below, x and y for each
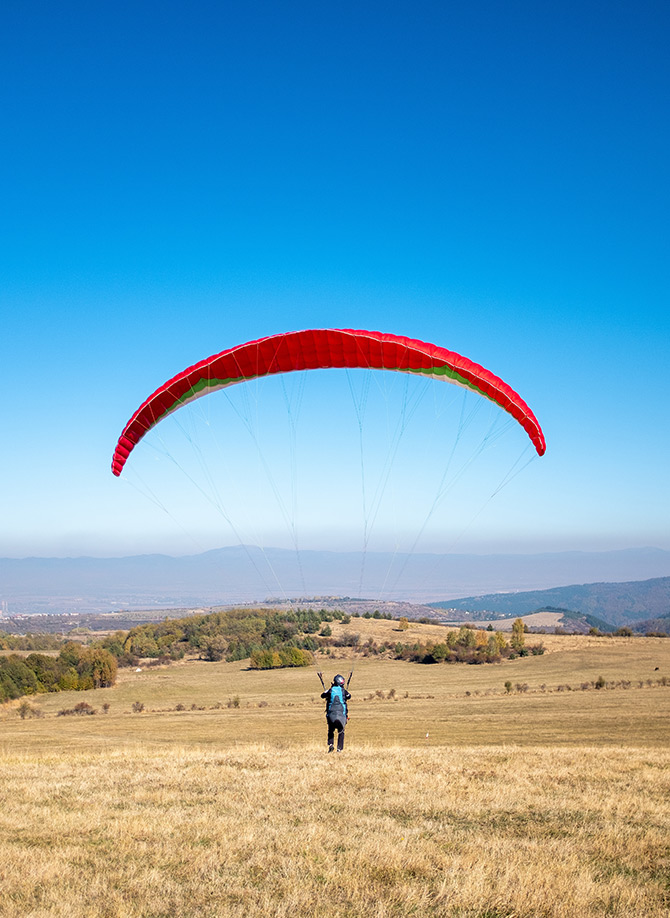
(312, 349)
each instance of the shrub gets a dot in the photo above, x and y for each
(26, 709)
(215, 649)
(138, 707)
(348, 639)
(83, 707)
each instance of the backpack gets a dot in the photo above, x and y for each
(336, 709)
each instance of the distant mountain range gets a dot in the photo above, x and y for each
(251, 574)
(613, 603)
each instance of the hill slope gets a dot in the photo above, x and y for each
(615, 603)
(660, 625)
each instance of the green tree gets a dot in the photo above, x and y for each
(518, 636)
(16, 678)
(102, 667)
(492, 648)
(47, 670)
(466, 637)
(451, 639)
(500, 641)
(215, 648)
(69, 681)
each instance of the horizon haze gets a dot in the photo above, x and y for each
(245, 574)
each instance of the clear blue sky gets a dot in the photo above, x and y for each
(178, 178)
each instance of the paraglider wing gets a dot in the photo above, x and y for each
(321, 348)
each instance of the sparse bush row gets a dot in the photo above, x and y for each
(468, 645)
(599, 684)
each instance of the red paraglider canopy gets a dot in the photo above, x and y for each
(320, 348)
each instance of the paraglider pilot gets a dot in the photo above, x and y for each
(336, 712)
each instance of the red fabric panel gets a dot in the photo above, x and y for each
(320, 348)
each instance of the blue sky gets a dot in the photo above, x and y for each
(178, 178)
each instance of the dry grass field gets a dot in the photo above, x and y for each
(454, 797)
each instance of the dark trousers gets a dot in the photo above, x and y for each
(334, 725)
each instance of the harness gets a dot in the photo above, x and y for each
(336, 708)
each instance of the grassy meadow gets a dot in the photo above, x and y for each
(454, 796)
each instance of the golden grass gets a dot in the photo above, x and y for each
(267, 831)
(455, 799)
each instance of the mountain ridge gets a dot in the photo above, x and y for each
(250, 574)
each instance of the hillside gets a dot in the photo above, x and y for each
(660, 625)
(614, 603)
(545, 620)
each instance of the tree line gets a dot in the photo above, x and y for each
(30, 641)
(75, 668)
(268, 639)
